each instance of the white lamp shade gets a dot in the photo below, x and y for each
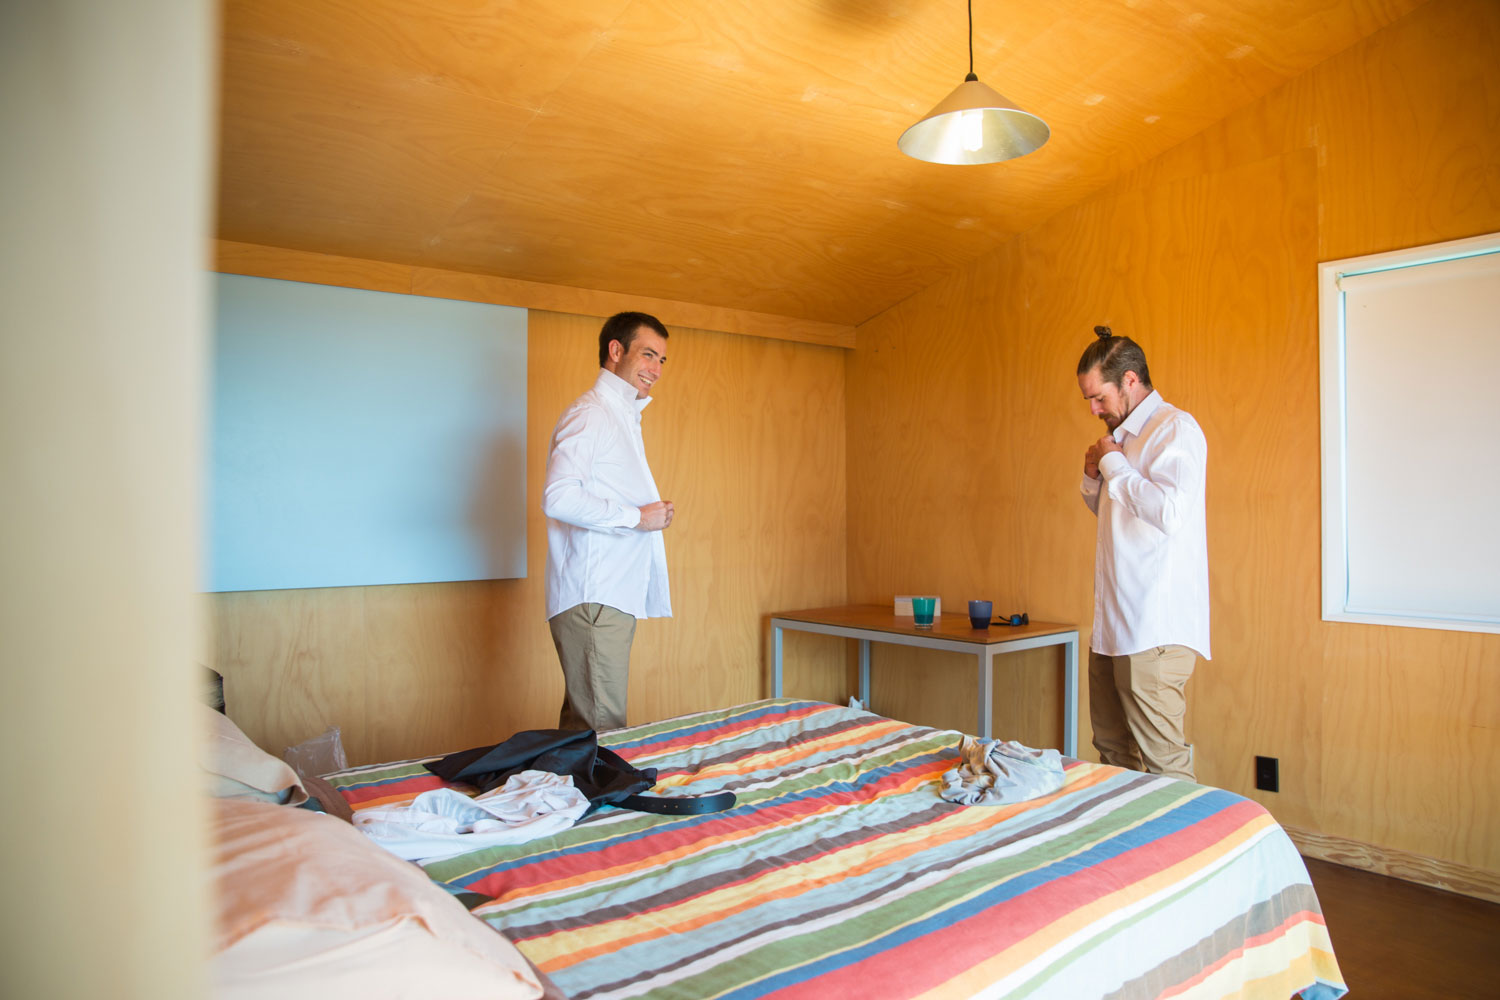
(974, 124)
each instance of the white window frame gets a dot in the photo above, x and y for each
(1333, 375)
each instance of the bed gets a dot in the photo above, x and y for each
(840, 872)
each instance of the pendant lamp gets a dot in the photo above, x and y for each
(974, 124)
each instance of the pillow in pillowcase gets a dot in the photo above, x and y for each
(308, 908)
(237, 768)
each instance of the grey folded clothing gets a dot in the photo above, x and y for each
(995, 773)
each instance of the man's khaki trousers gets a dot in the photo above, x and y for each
(1137, 705)
(593, 645)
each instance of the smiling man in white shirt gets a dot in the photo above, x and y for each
(606, 559)
(1144, 480)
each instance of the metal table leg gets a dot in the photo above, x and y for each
(986, 691)
(1070, 696)
(864, 673)
(775, 661)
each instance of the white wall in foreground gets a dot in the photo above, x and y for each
(105, 113)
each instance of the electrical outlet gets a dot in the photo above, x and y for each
(1268, 774)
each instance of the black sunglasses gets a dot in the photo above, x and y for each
(1020, 619)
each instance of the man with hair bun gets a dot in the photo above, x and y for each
(1144, 480)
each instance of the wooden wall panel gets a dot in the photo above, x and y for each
(1420, 164)
(932, 455)
(1208, 256)
(1411, 717)
(1412, 735)
(300, 265)
(940, 436)
(745, 435)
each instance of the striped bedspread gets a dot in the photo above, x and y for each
(841, 873)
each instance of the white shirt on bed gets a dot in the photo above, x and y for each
(597, 481)
(1151, 564)
(444, 821)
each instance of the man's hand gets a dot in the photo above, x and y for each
(1098, 450)
(655, 516)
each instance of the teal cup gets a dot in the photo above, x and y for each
(921, 610)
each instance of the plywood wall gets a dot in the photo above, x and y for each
(966, 435)
(745, 436)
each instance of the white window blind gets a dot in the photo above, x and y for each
(1411, 419)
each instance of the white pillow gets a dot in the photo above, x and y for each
(308, 907)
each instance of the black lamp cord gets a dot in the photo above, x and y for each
(971, 42)
(971, 75)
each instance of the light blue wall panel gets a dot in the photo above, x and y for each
(363, 438)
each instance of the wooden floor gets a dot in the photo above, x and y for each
(1397, 940)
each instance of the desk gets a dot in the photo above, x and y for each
(876, 623)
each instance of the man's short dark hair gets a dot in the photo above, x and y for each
(1114, 356)
(623, 327)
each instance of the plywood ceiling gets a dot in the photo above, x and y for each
(736, 153)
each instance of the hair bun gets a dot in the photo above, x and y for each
(1103, 332)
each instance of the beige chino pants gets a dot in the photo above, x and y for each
(593, 645)
(1137, 705)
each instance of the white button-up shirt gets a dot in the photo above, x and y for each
(1151, 563)
(597, 482)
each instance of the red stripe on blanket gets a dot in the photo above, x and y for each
(655, 848)
(734, 727)
(1301, 916)
(927, 962)
(405, 789)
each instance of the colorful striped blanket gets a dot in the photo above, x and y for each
(841, 873)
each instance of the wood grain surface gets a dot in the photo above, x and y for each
(966, 434)
(956, 430)
(745, 436)
(739, 153)
(331, 269)
(1447, 875)
(1396, 940)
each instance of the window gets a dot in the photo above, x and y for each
(1410, 369)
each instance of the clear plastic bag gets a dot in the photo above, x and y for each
(318, 756)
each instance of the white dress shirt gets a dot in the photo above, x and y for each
(597, 482)
(442, 822)
(1151, 564)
